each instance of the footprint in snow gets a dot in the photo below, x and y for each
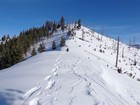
(35, 101)
(31, 91)
(55, 74)
(47, 78)
(54, 70)
(57, 63)
(50, 84)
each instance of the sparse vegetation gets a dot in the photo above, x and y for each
(53, 45)
(62, 42)
(33, 52)
(119, 70)
(41, 48)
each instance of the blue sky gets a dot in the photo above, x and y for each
(118, 17)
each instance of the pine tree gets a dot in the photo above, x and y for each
(62, 42)
(33, 52)
(62, 23)
(53, 45)
(79, 24)
(3, 38)
(54, 27)
(41, 48)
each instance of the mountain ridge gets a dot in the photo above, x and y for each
(86, 74)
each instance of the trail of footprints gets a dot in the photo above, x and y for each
(36, 91)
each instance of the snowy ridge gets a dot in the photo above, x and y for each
(83, 76)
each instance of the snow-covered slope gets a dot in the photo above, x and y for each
(83, 76)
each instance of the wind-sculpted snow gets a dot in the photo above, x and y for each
(83, 76)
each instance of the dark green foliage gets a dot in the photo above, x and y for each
(11, 53)
(41, 48)
(3, 38)
(54, 27)
(53, 45)
(49, 25)
(13, 50)
(33, 52)
(69, 33)
(62, 42)
(62, 23)
(79, 24)
(58, 25)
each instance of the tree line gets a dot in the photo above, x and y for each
(14, 50)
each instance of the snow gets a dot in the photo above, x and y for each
(34, 102)
(82, 76)
(47, 78)
(50, 84)
(31, 91)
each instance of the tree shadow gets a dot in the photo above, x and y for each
(9, 96)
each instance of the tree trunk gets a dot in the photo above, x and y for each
(117, 53)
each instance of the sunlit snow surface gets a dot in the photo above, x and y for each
(82, 76)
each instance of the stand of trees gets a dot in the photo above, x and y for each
(13, 50)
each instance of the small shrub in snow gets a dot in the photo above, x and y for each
(53, 45)
(130, 74)
(100, 51)
(119, 70)
(135, 63)
(62, 42)
(104, 47)
(69, 33)
(67, 49)
(138, 79)
(94, 49)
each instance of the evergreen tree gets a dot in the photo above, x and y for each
(3, 38)
(79, 24)
(62, 23)
(62, 42)
(33, 52)
(54, 27)
(53, 45)
(41, 48)
(13, 50)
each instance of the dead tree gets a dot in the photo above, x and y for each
(83, 34)
(123, 52)
(102, 32)
(117, 52)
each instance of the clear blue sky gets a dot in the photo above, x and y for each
(118, 17)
